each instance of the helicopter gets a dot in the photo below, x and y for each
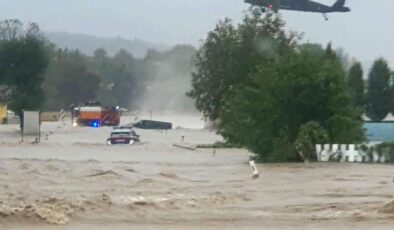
(300, 5)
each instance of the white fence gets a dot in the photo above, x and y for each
(346, 153)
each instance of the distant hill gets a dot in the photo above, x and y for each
(88, 43)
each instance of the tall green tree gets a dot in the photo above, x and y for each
(274, 97)
(357, 84)
(378, 90)
(23, 61)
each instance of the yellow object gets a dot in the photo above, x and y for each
(3, 112)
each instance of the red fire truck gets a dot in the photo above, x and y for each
(94, 115)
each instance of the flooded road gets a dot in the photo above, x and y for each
(72, 180)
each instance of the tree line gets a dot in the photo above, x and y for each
(35, 74)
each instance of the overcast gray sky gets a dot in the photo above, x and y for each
(365, 33)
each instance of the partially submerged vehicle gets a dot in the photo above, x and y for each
(121, 135)
(149, 124)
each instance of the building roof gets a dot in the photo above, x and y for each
(389, 118)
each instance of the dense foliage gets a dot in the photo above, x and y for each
(23, 61)
(270, 93)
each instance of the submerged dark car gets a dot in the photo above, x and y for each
(149, 124)
(123, 136)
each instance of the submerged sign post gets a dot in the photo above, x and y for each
(31, 124)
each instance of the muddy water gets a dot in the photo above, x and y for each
(73, 181)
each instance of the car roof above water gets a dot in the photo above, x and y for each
(121, 131)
